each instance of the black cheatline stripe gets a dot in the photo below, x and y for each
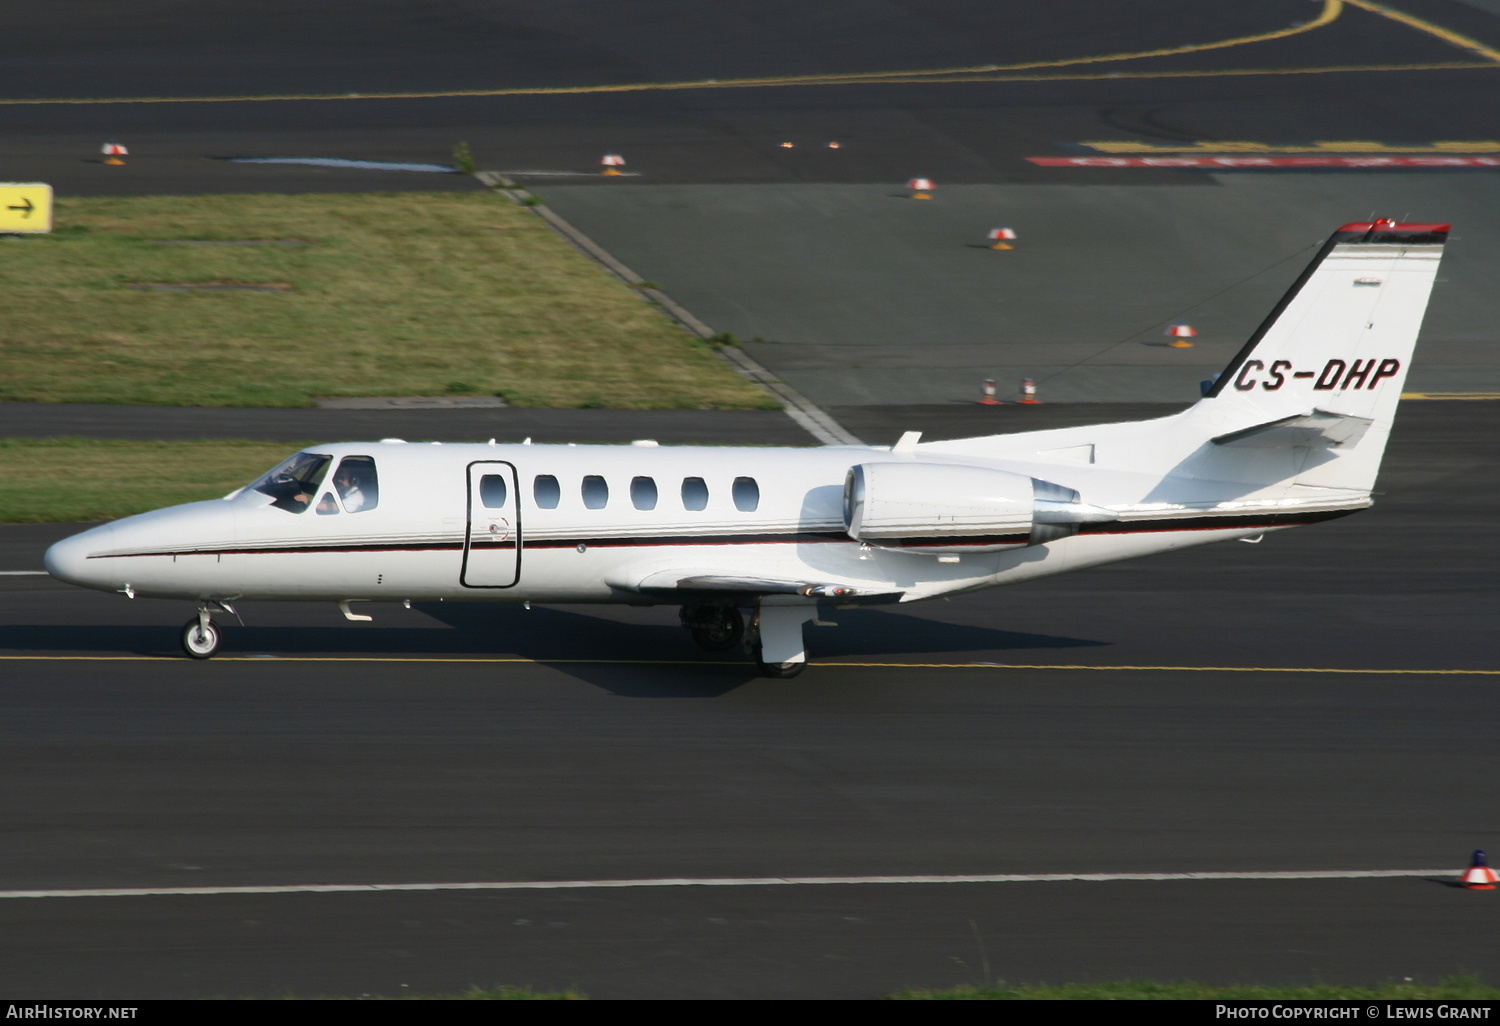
(1158, 526)
(288, 549)
(799, 538)
(549, 543)
(1204, 523)
(1216, 523)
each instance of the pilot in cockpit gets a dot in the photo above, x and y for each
(351, 488)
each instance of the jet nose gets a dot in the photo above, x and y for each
(68, 560)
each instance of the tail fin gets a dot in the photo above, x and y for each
(1326, 368)
(1310, 398)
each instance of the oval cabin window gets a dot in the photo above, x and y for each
(546, 491)
(492, 491)
(694, 493)
(746, 494)
(643, 493)
(595, 492)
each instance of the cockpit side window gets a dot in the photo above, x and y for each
(357, 484)
(294, 483)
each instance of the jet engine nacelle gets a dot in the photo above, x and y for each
(934, 507)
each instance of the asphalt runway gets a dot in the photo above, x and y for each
(471, 743)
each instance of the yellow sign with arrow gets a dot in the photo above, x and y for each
(25, 207)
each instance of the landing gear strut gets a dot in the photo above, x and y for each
(201, 636)
(777, 646)
(714, 628)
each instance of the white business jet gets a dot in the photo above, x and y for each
(750, 542)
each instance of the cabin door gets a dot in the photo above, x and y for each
(492, 539)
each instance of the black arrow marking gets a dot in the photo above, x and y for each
(28, 207)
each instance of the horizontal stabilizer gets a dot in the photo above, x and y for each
(698, 584)
(1316, 430)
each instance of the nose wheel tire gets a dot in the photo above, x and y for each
(200, 640)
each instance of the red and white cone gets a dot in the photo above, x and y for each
(1179, 334)
(921, 188)
(1000, 237)
(611, 162)
(987, 393)
(1479, 876)
(1028, 393)
(113, 151)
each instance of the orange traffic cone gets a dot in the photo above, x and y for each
(1479, 876)
(1028, 393)
(921, 188)
(611, 162)
(987, 393)
(1179, 334)
(113, 151)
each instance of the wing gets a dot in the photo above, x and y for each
(701, 584)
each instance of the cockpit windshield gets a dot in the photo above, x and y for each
(293, 483)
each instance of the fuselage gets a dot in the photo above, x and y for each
(562, 524)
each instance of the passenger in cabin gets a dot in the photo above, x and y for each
(356, 483)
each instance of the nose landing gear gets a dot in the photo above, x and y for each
(201, 636)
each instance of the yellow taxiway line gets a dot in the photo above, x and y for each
(729, 881)
(1331, 11)
(1421, 25)
(1450, 395)
(871, 78)
(832, 664)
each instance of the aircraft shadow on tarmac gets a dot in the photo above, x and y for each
(669, 664)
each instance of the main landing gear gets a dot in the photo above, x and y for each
(774, 634)
(714, 628)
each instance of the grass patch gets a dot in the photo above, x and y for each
(1453, 988)
(400, 294)
(64, 480)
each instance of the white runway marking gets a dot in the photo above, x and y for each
(746, 881)
(23, 573)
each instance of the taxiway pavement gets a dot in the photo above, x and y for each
(473, 743)
(353, 758)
